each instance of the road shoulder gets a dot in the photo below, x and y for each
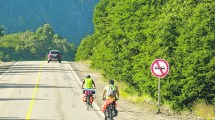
(127, 109)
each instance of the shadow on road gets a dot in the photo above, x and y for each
(13, 85)
(30, 69)
(11, 99)
(17, 118)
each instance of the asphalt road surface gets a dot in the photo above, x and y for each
(38, 90)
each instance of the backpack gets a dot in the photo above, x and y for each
(111, 92)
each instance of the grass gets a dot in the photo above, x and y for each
(200, 109)
(144, 101)
(204, 110)
(139, 99)
(135, 98)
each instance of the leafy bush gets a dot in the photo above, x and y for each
(133, 33)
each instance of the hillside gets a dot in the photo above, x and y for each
(72, 19)
(130, 34)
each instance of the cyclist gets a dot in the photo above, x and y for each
(88, 83)
(110, 94)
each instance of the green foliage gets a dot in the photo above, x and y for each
(86, 48)
(133, 33)
(1, 30)
(34, 46)
(72, 19)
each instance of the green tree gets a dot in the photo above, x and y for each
(1, 30)
(31, 45)
(133, 33)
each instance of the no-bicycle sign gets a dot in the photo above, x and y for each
(159, 68)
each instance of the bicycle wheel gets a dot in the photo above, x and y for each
(111, 114)
(88, 102)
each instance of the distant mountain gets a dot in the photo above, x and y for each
(71, 19)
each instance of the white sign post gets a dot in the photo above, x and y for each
(159, 68)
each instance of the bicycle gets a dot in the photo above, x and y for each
(89, 97)
(111, 111)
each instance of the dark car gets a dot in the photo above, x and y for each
(54, 55)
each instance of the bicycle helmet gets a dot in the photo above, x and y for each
(88, 76)
(111, 82)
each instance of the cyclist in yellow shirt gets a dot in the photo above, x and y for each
(88, 85)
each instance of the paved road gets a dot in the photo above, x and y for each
(38, 90)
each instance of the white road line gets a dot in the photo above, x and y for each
(95, 104)
(9, 70)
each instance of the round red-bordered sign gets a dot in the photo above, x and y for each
(159, 68)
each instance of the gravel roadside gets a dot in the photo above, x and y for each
(127, 110)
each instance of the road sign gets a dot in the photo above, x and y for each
(159, 68)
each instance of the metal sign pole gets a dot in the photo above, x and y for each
(158, 95)
(159, 68)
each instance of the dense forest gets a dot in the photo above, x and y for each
(72, 19)
(130, 34)
(31, 45)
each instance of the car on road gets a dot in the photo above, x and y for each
(54, 55)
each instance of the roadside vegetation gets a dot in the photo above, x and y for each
(130, 34)
(31, 45)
